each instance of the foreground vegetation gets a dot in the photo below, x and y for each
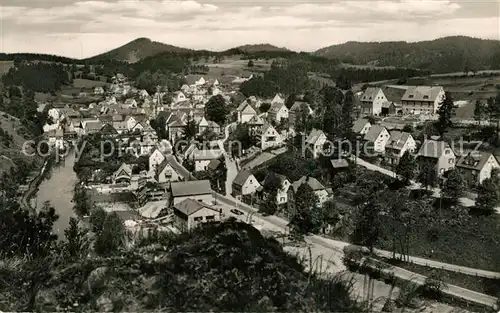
(219, 267)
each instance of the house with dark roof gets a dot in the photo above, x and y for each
(422, 99)
(277, 112)
(122, 175)
(476, 166)
(245, 112)
(171, 171)
(361, 126)
(268, 136)
(437, 153)
(318, 188)
(199, 190)
(399, 142)
(298, 109)
(376, 138)
(394, 94)
(202, 158)
(372, 100)
(316, 142)
(283, 182)
(190, 213)
(244, 184)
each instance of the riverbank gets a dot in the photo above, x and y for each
(58, 190)
(35, 183)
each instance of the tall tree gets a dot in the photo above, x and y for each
(305, 202)
(489, 194)
(347, 113)
(216, 109)
(453, 187)
(368, 223)
(190, 129)
(406, 168)
(427, 175)
(445, 112)
(77, 244)
(479, 111)
(112, 236)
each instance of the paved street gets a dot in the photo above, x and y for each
(332, 251)
(467, 202)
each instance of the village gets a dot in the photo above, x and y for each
(161, 191)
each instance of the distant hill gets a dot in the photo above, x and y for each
(448, 54)
(260, 48)
(138, 50)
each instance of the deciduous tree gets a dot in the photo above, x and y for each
(216, 109)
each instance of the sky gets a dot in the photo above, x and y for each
(82, 29)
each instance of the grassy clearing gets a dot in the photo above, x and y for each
(475, 243)
(87, 83)
(480, 284)
(462, 87)
(5, 66)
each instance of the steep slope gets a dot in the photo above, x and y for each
(137, 50)
(217, 268)
(448, 54)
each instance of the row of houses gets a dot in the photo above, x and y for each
(475, 166)
(401, 99)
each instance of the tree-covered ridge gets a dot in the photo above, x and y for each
(218, 268)
(448, 54)
(36, 57)
(37, 76)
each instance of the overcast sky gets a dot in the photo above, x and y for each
(84, 28)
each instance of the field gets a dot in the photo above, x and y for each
(88, 84)
(5, 66)
(234, 66)
(463, 88)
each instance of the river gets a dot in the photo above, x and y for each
(58, 190)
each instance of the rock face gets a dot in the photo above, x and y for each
(96, 279)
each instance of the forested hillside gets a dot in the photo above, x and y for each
(218, 268)
(449, 54)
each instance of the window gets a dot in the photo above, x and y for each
(451, 161)
(282, 199)
(410, 96)
(198, 219)
(210, 218)
(446, 151)
(426, 97)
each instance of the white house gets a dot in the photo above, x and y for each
(56, 138)
(372, 100)
(171, 171)
(316, 142)
(245, 112)
(477, 166)
(437, 153)
(268, 137)
(278, 111)
(282, 194)
(178, 96)
(244, 184)
(397, 145)
(422, 99)
(278, 99)
(202, 158)
(377, 137)
(98, 91)
(199, 190)
(361, 126)
(155, 159)
(190, 213)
